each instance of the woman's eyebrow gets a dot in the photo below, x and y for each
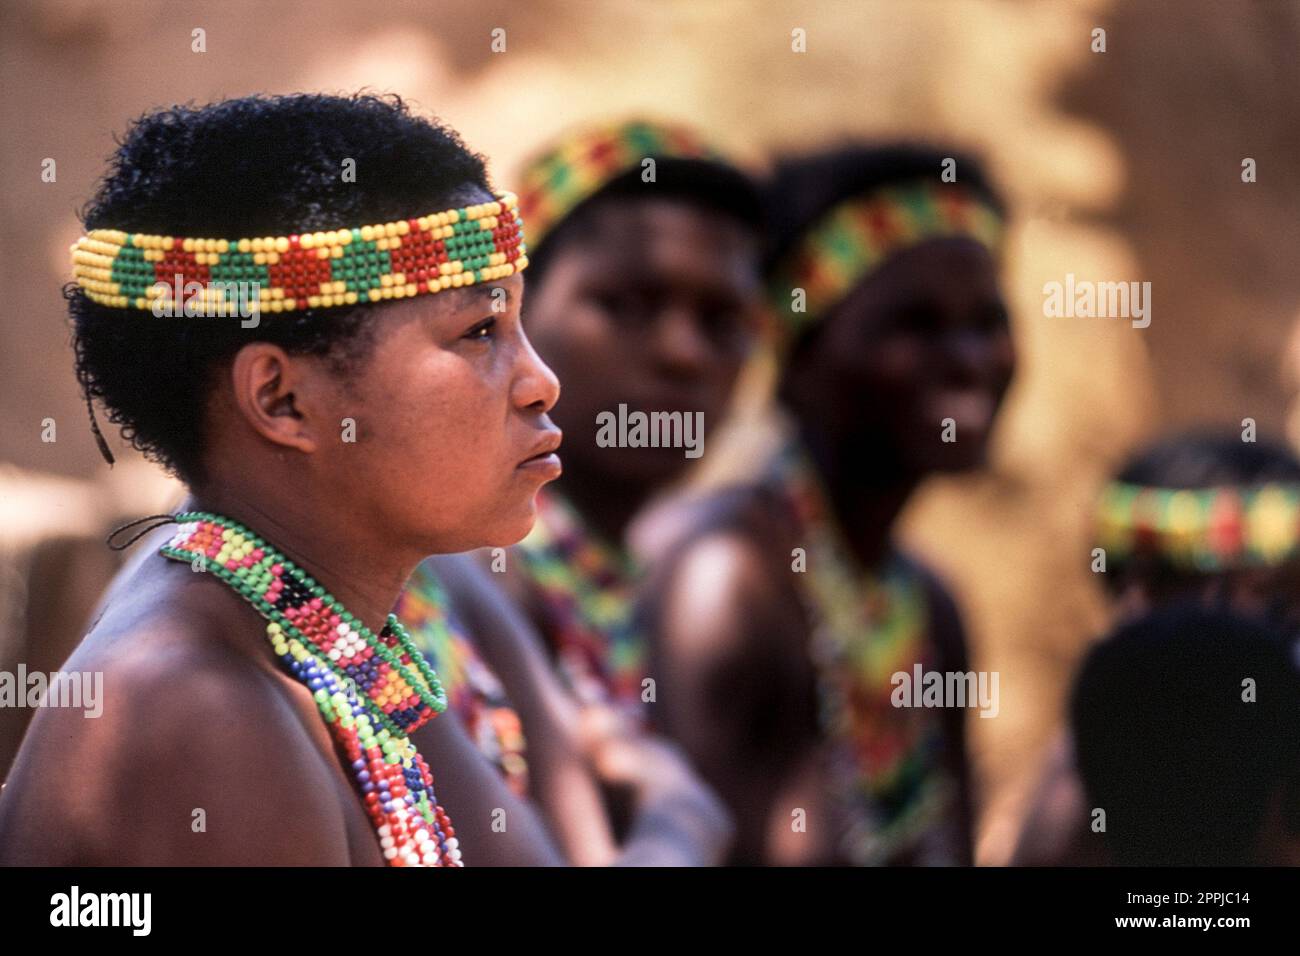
(486, 291)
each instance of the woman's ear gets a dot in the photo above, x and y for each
(268, 389)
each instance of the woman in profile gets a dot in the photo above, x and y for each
(382, 405)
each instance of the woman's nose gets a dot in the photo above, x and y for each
(536, 386)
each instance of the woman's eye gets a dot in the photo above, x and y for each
(625, 306)
(482, 332)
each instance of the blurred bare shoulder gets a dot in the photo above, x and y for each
(730, 544)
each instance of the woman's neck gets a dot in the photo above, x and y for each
(867, 518)
(358, 569)
(865, 505)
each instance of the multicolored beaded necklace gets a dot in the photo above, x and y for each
(586, 586)
(371, 689)
(885, 761)
(474, 691)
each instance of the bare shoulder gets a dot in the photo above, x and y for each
(729, 637)
(730, 576)
(195, 757)
(723, 572)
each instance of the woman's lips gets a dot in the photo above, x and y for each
(547, 465)
(969, 409)
(544, 463)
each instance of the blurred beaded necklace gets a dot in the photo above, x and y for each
(885, 761)
(586, 586)
(371, 689)
(474, 691)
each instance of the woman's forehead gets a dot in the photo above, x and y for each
(499, 295)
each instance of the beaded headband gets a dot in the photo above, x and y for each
(557, 180)
(856, 236)
(1202, 529)
(391, 260)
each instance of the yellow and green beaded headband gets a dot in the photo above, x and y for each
(856, 236)
(1202, 529)
(581, 163)
(391, 260)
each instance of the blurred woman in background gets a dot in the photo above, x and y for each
(784, 614)
(1201, 518)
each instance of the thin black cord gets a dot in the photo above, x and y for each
(159, 521)
(99, 436)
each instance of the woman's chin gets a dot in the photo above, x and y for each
(506, 532)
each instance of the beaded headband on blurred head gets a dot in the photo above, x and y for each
(391, 260)
(856, 236)
(579, 165)
(1202, 529)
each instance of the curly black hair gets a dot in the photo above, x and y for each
(254, 166)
